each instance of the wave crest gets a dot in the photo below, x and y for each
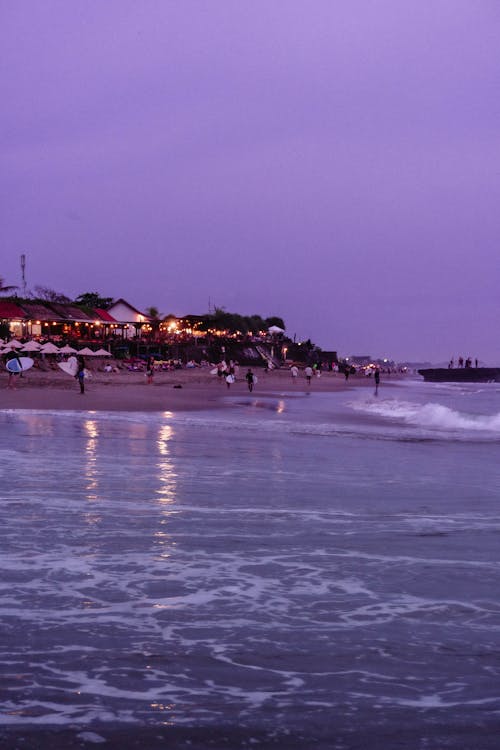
(430, 415)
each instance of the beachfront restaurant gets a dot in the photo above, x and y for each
(56, 321)
(13, 317)
(133, 322)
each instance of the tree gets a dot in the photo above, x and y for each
(155, 318)
(5, 289)
(94, 299)
(274, 321)
(50, 295)
(153, 313)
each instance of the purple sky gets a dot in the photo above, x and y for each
(336, 163)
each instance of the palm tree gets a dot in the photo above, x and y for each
(5, 289)
(155, 319)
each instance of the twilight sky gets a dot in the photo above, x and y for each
(333, 162)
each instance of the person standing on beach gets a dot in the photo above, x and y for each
(249, 379)
(295, 372)
(308, 373)
(150, 369)
(377, 380)
(221, 371)
(80, 374)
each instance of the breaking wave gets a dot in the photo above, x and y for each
(430, 416)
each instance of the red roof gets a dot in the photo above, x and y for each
(9, 310)
(104, 315)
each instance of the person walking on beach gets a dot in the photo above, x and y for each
(11, 383)
(377, 380)
(295, 372)
(249, 379)
(308, 373)
(150, 369)
(80, 374)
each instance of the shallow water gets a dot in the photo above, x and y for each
(288, 564)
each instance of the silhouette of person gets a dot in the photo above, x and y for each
(80, 374)
(249, 379)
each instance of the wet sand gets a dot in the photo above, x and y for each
(180, 390)
(404, 732)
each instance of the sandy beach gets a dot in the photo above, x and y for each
(171, 391)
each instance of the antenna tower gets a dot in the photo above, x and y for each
(23, 277)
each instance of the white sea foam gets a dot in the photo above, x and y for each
(245, 565)
(429, 415)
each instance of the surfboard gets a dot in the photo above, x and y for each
(19, 365)
(71, 368)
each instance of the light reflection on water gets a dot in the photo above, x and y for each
(91, 430)
(165, 466)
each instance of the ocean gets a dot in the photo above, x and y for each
(304, 571)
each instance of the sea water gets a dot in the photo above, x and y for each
(320, 565)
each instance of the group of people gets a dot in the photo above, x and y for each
(462, 362)
(309, 371)
(228, 372)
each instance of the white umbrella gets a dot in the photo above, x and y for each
(86, 352)
(31, 346)
(102, 353)
(67, 349)
(275, 329)
(49, 348)
(14, 344)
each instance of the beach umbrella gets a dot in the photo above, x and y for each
(86, 352)
(67, 349)
(102, 353)
(9, 347)
(275, 329)
(14, 344)
(49, 348)
(31, 346)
